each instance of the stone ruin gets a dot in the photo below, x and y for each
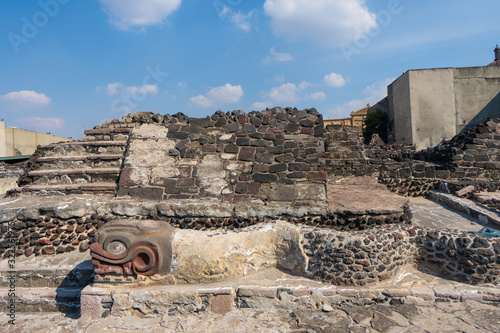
(177, 199)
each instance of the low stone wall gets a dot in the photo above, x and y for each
(473, 154)
(274, 154)
(46, 229)
(97, 302)
(355, 259)
(342, 258)
(363, 257)
(459, 256)
(9, 174)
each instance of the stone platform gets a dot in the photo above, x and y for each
(273, 301)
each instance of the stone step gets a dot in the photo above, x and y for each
(469, 207)
(107, 131)
(79, 161)
(105, 143)
(74, 176)
(78, 171)
(99, 300)
(115, 134)
(71, 188)
(80, 157)
(66, 300)
(83, 148)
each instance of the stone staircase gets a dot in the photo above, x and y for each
(90, 165)
(42, 286)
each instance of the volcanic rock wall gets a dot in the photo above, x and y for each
(374, 255)
(274, 155)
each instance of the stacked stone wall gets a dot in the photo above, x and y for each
(274, 155)
(375, 255)
(53, 229)
(473, 154)
(366, 254)
(472, 157)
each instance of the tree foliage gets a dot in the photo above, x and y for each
(375, 122)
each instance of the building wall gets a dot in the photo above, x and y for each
(477, 95)
(429, 105)
(432, 106)
(3, 148)
(15, 141)
(400, 109)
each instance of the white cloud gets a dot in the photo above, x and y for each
(278, 56)
(334, 80)
(43, 123)
(261, 105)
(287, 92)
(325, 22)
(238, 19)
(304, 85)
(182, 85)
(372, 94)
(317, 96)
(26, 99)
(118, 88)
(220, 95)
(280, 78)
(132, 13)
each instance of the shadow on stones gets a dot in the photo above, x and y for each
(70, 289)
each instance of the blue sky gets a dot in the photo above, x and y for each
(68, 65)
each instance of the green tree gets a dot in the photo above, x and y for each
(375, 122)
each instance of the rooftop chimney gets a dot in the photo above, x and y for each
(497, 53)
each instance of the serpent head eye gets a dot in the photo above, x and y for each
(117, 247)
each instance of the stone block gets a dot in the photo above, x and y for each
(279, 139)
(253, 188)
(319, 130)
(231, 128)
(260, 168)
(241, 188)
(178, 135)
(231, 148)
(264, 158)
(278, 168)
(297, 174)
(150, 193)
(466, 190)
(446, 292)
(260, 143)
(264, 178)
(248, 128)
(291, 128)
(316, 176)
(300, 292)
(275, 150)
(312, 192)
(278, 192)
(253, 291)
(442, 174)
(299, 167)
(246, 154)
(186, 182)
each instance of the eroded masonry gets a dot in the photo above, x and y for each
(172, 199)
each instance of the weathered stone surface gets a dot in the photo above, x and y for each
(313, 192)
(211, 175)
(187, 208)
(278, 192)
(200, 258)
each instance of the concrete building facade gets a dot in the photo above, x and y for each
(16, 142)
(428, 105)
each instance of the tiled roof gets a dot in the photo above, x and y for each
(361, 112)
